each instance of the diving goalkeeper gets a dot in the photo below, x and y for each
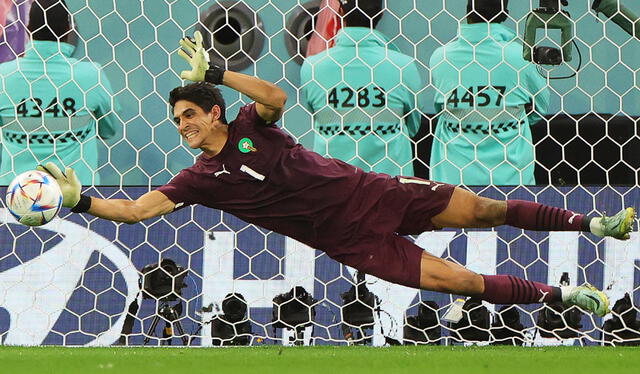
(255, 171)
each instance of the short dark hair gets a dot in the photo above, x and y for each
(493, 11)
(49, 20)
(362, 13)
(203, 94)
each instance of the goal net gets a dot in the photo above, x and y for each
(203, 277)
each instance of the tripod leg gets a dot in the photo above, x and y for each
(195, 334)
(175, 319)
(183, 336)
(127, 327)
(152, 329)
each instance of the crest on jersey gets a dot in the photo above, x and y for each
(245, 145)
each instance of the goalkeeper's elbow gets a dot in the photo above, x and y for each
(274, 97)
(279, 98)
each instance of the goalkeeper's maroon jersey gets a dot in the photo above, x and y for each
(263, 177)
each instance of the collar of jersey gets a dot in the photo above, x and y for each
(363, 37)
(478, 32)
(41, 49)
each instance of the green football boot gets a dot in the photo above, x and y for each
(620, 225)
(590, 299)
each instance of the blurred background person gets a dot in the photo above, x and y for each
(487, 97)
(327, 24)
(362, 94)
(53, 107)
(13, 29)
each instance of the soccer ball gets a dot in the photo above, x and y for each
(34, 198)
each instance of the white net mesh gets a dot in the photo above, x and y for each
(76, 280)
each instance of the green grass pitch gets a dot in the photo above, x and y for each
(326, 360)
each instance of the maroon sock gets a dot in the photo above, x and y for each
(538, 217)
(507, 289)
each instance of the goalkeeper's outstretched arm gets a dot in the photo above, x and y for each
(270, 99)
(149, 205)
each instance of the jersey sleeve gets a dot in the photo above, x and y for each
(179, 190)
(306, 80)
(413, 83)
(436, 67)
(248, 116)
(102, 101)
(537, 88)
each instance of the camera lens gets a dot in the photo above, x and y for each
(547, 56)
(234, 307)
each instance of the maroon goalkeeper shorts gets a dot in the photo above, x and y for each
(378, 247)
(390, 257)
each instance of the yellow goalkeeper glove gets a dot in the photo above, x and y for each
(68, 182)
(195, 55)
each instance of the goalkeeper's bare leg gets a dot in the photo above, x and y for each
(467, 210)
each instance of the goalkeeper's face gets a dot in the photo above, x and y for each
(195, 125)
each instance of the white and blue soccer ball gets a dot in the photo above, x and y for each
(34, 198)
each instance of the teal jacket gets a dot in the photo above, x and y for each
(50, 104)
(487, 96)
(362, 94)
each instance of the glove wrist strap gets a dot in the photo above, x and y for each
(214, 74)
(83, 205)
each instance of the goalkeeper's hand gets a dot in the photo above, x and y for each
(69, 183)
(192, 51)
